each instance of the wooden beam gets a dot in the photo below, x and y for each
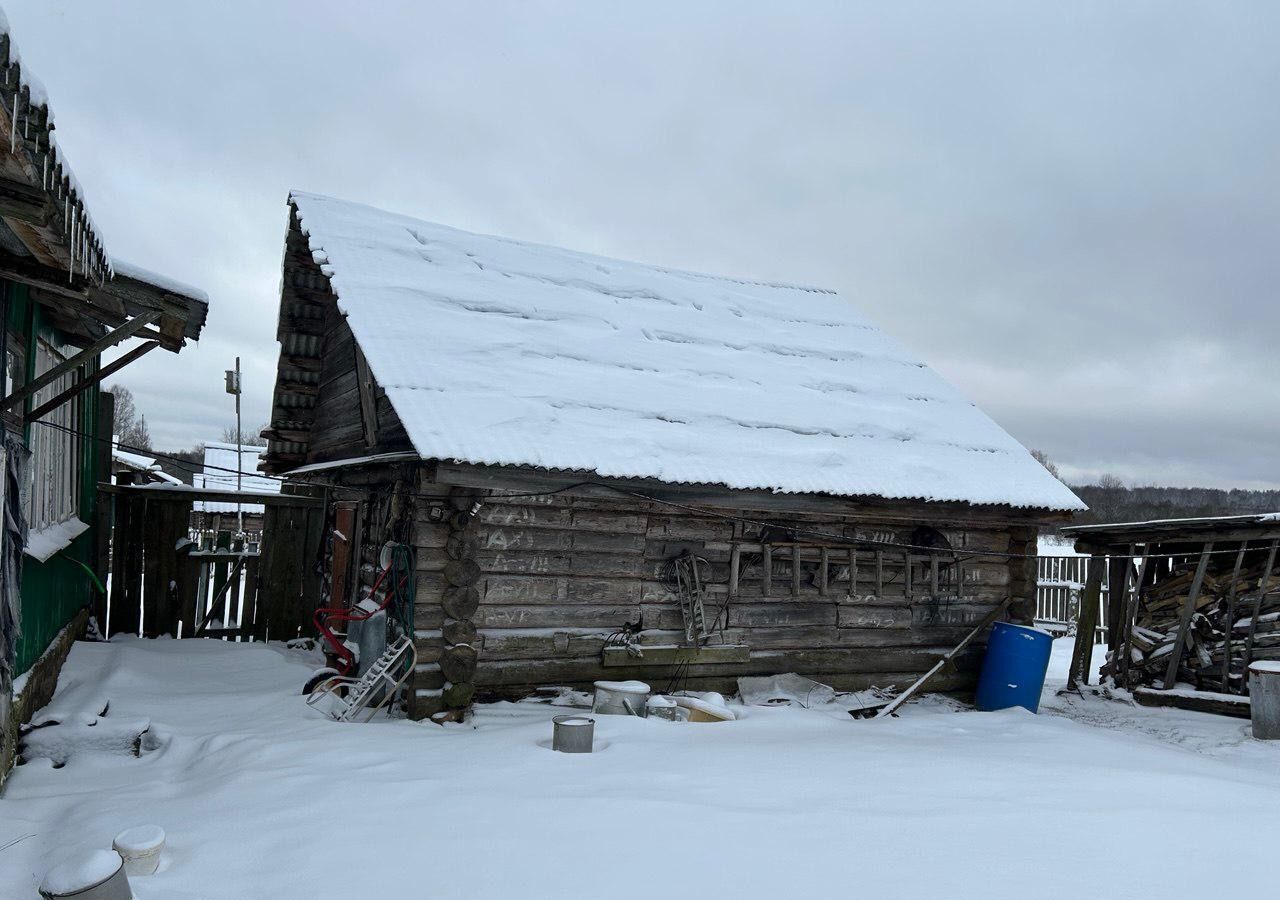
(290, 435)
(1086, 624)
(1231, 619)
(1184, 622)
(766, 577)
(368, 409)
(45, 278)
(878, 509)
(735, 567)
(1199, 701)
(20, 200)
(1117, 591)
(301, 363)
(298, 387)
(124, 332)
(1130, 614)
(179, 493)
(1117, 542)
(677, 656)
(89, 381)
(1257, 608)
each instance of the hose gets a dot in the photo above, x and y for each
(400, 569)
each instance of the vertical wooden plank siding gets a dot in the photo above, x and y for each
(126, 578)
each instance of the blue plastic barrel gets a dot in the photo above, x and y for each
(1013, 671)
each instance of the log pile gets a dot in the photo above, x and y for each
(1218, 629)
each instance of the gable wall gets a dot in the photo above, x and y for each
(317, 414)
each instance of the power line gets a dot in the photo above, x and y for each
(841, 539)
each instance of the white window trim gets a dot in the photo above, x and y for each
(55, 472)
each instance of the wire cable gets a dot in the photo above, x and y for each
(838, 539)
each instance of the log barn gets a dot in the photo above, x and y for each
(613, 470)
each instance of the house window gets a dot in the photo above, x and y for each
(55, 447)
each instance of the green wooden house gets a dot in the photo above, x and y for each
(70, 318)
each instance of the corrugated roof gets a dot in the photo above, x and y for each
(495, 351)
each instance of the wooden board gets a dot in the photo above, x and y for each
(672, 656)
(1198, 701)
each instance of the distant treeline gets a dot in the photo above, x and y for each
(1111, 502)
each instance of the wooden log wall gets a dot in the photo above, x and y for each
(534, 586)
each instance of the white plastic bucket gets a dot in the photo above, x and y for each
(140, 848)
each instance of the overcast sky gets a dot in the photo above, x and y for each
(1070, 210)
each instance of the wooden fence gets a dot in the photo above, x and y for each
(166, 580)
(1059, 588)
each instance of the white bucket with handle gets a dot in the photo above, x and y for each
(140, 848)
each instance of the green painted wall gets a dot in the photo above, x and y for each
(54, 591)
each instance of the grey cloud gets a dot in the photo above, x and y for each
(1070, 210)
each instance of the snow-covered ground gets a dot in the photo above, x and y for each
(262, 797)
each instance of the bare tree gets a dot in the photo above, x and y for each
(251, 438)
(1043, 458)
(1111, 482)
(129, 426)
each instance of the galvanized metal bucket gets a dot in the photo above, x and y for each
(573, 734)
(114, 887)
(1264, 699)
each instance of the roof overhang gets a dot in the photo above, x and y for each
(1259, 526)
(48, 239)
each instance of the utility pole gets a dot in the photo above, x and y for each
(233, 387)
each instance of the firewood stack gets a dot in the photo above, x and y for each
(1156, 628)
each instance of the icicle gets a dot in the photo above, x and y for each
(26, 124)
(44, 174)
(13, 124)
(71, 240)
(66, 211)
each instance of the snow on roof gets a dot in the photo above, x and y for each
(155, 279)
(220, 474)
(495, 351)
(140, 463)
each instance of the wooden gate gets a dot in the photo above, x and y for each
(163, 581)
(1060, 584)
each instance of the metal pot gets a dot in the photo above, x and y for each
(114, 887)
(573, 733)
